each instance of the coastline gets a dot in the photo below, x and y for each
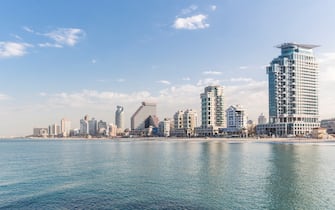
(195, 139)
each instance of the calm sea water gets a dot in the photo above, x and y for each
(46, 174)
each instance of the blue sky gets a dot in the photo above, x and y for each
(71, 58)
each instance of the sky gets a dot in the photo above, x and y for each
(61, 58)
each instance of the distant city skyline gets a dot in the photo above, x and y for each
(65, 59)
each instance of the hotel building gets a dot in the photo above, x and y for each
(293, 92)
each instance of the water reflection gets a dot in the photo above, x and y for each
(293, 177)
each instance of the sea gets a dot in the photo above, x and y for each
(165, 174)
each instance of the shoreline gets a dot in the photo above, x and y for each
(196, 139)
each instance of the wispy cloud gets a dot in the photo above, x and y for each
(48, 44)
(120, 80)
(189, 9)
(213, 7)
(3, 97)
(212, 72)
(186, 79)
(13, 49)
(93, 61)
(191, 23)
(28, 29)
(240, 79)
(165, 82)
(208, 81)
(243, 67)
(66, 36)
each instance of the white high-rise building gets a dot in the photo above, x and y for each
(236, 118)
(212, 111)
(65, 126)
(293, 91)
(119, 121)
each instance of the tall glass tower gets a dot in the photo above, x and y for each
(119, 121)
(293, 90)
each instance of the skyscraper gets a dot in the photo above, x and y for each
(84, 126)
(139, 118)
(293, 90)
(119, 122)
(212, 107)
(65, 126)
(212, 110)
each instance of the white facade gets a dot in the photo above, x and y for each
(112, 130)
(142, 114)
(293, 90)
(236, 118)
(65, 126)
(165, 127)
(54, 130)
(262, 119)
(185, 122)
(119, 117)
(212, 110)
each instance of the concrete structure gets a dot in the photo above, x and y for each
(65, 127)
(119, 118)
(93, 127)
(112, 130)
(185, 123)
(40, 132)
(329, 124)
(262, 119)
(54, 130)
(236, 119)
(102, 129)
(212, 111)
(140, 117)
(165, 127)
(293, 91)
(84, 126)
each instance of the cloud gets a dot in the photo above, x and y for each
(47, 44)
(243, 67)
(66, 36)
(208, 81)
(213, 7)
(212, 72)
(189, 9)
(43, 94)
(252, 95)
(240, 79)
(165, 82)
(13, 49)
(327, 81)
(186, 79)
(120, 80)
(28, 29)
(3, 97)
(93, 61)
(191, 23)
